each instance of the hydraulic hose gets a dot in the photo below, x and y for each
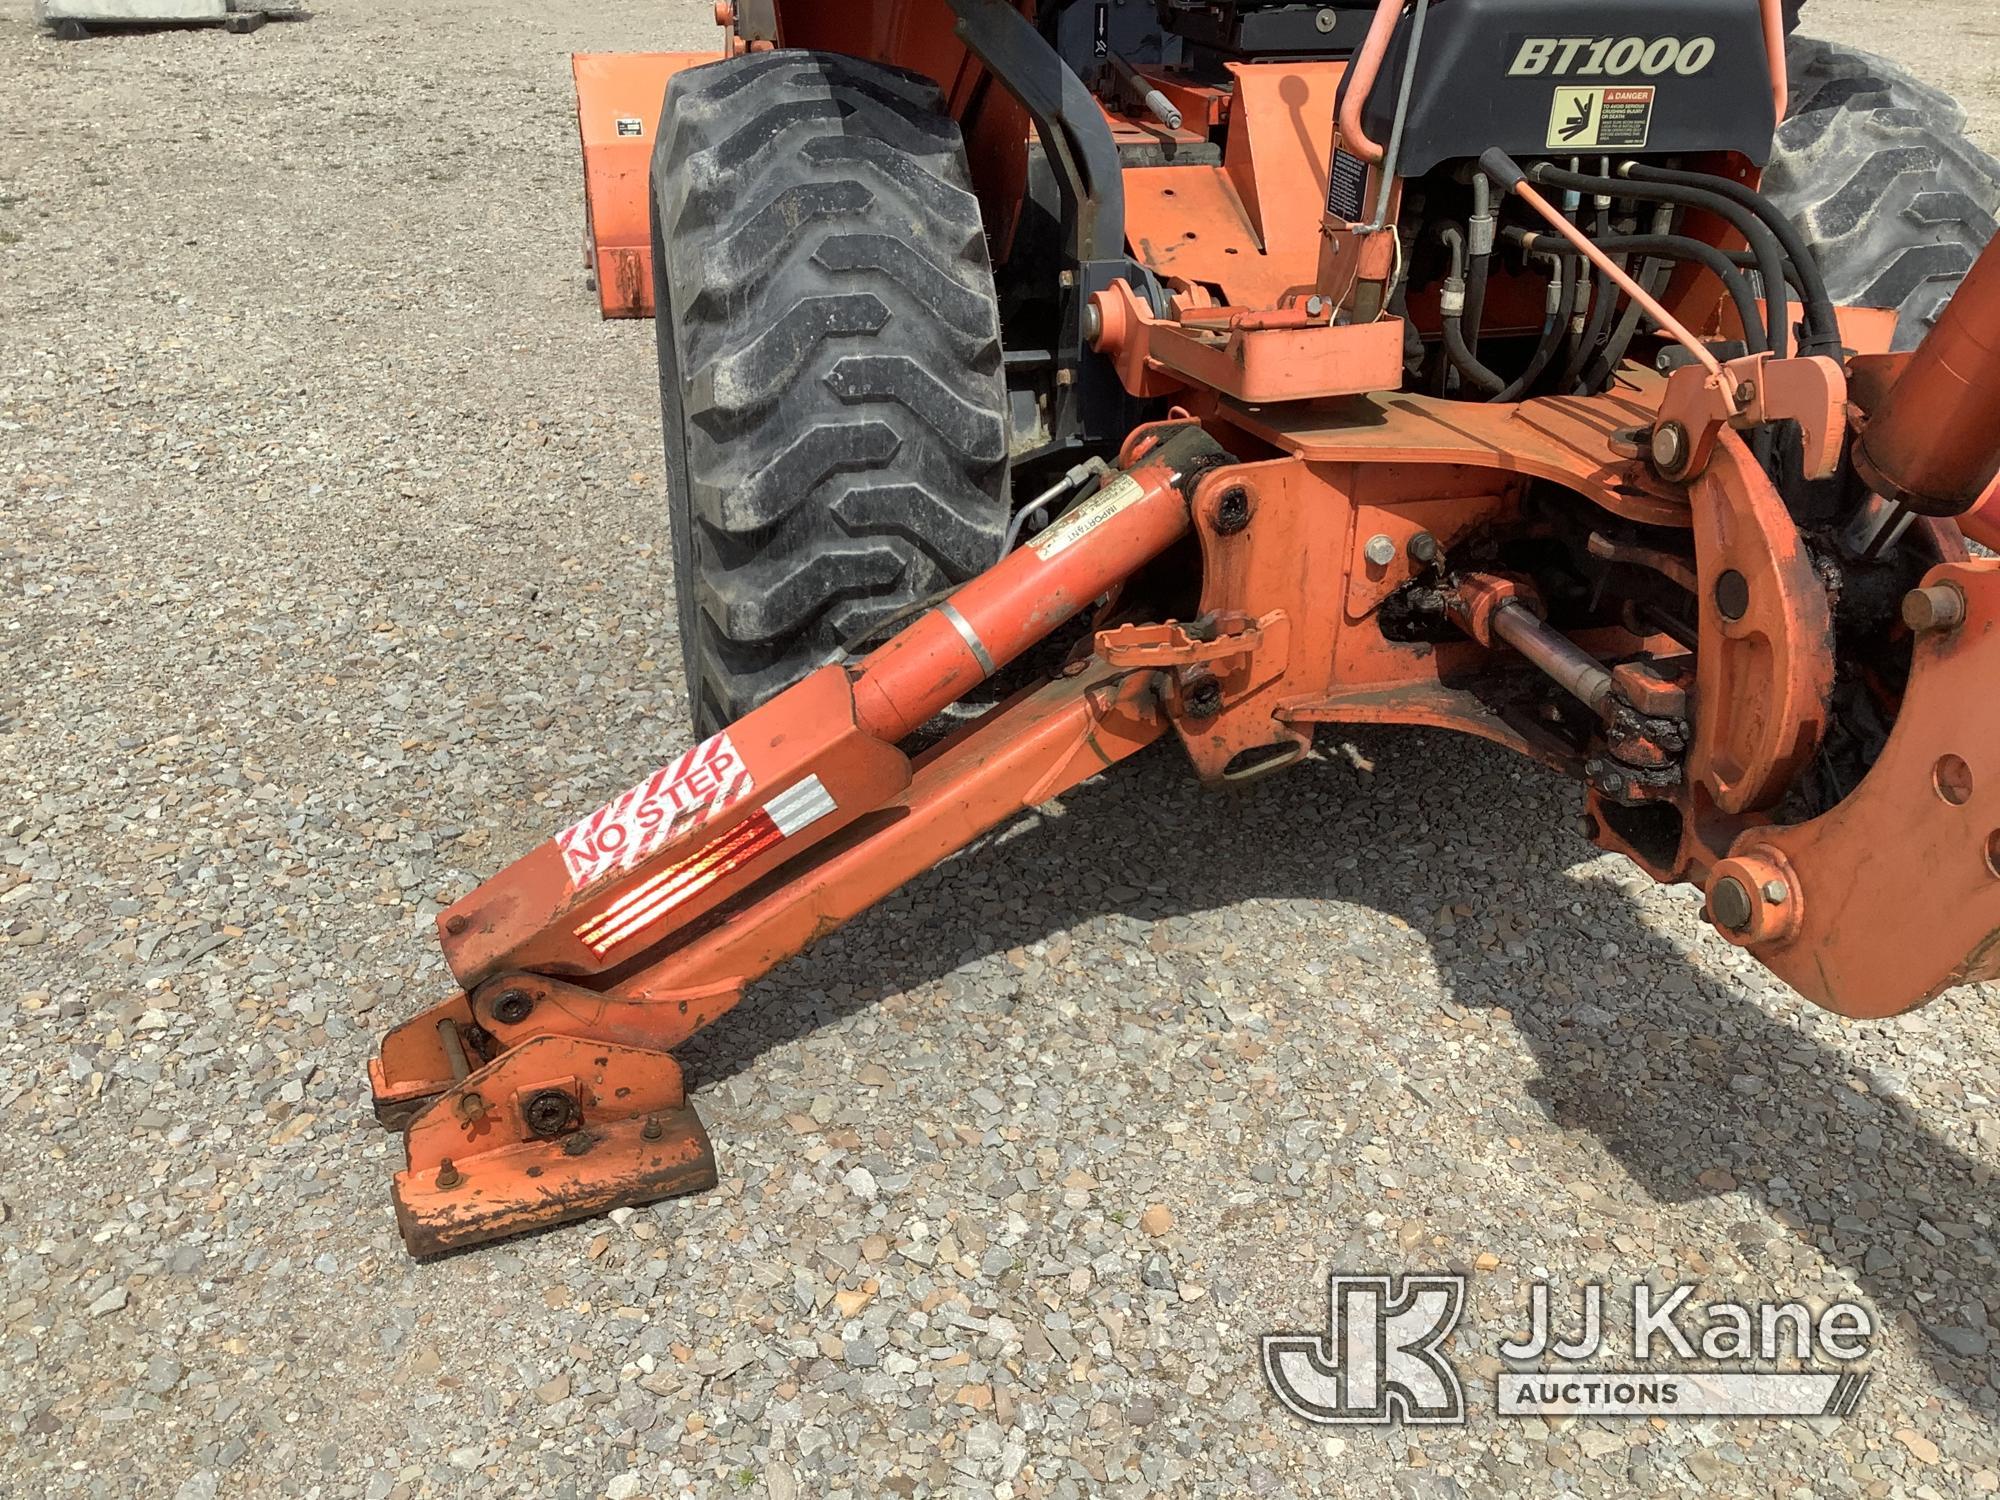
(1451, 312)
(1651, 271)
(1157, 104)
(1479, 257)
(1464, 362)
(1770, 257)
(1569, 273)
(1823, 328)
(1682, 247)
(1603, 302)
(1744, 260)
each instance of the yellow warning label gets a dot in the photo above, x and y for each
(1600, 119)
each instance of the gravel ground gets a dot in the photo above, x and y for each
(331, 548)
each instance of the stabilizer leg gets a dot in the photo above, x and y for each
(555, 1125)
(546, 1090)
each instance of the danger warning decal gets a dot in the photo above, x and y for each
(679, 797)
(1606, 119)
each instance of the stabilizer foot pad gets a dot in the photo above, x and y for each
(535, 1184)
(554, 1129)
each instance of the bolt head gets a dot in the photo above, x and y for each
(1424, 548)
(549, 1112)
(1326, 20)
(512, 1007)
(1729, 904)
(1381, 550)
(1776, 892)
(1669, 447)
(1939, 607)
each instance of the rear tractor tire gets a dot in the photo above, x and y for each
(1876, 170)
(831, 387)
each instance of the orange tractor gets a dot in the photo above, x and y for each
(1043, 380)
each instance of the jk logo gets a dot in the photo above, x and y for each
(1379, 1359)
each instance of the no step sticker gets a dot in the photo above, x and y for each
(1601, 119)
(674, 801)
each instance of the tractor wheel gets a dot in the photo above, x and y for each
(831, 388)
(1875, 169)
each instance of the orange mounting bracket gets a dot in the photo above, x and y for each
(1749, 392)
(1764, 673)
(1206, 667)
(1248, 355)
(1913, 852)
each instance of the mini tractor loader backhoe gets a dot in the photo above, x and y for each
(1231, 369)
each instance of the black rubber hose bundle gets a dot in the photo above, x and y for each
(1652, 275)
(1682, 247)
(1569, 273)
(1764, 244)
(1456, 349)
(1822, 328)
(1603, 301)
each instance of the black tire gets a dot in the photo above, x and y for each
(1875, 169)
(831, 387)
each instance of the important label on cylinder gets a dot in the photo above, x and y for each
(1607, 119)
(1074, 525)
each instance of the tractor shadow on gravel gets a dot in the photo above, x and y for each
(1440, 821)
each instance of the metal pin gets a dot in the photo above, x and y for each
(454, 1049)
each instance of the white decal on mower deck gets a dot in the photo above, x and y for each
(674, 800)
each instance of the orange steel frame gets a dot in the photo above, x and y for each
(545, 1088)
